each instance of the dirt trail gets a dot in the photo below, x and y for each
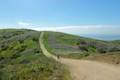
(86, 70)
(91, 70)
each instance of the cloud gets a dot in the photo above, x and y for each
(23, 23)
(81, 29)
(84, 29)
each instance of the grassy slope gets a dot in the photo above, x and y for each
(22, 59)
(73, 46)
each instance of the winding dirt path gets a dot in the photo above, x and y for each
(85, 69)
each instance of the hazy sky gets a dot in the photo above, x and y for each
(75, 16)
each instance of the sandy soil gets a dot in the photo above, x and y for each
(91, 70)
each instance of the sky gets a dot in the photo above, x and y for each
(82, 17)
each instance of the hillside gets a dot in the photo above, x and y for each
(81, 69)
(22, 59)
(72, 46)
